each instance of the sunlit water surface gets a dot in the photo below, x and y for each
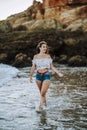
(66, 100)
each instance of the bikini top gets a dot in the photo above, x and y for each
(42, 63)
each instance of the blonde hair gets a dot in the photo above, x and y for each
(39, 45)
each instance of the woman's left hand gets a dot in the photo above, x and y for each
(60, 74)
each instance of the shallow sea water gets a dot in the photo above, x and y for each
(66, 100)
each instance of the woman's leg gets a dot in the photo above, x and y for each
(39, 81)
(39, 85)
(45, 86)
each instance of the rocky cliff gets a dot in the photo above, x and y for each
(49, 9)
(62, 23)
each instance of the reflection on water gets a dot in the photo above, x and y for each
(43, 119)
(66, 102)
(70, 97)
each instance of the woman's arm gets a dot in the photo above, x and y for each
(32, 71)
(32, 68)
(55, 70)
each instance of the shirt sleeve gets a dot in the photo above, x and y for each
(33, 62)
(50, 60)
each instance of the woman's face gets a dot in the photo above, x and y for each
(43, 48)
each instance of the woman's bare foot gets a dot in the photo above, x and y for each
(40, 108)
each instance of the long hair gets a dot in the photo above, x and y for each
(40, 44)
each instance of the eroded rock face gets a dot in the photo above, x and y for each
(55, 3)
(29, 14)
(5, 26)
(46, 9)
(75, 19)
(46, 23)
(77, 1)
(74, 14)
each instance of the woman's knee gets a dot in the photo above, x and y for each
(43, 93)
(45, 86)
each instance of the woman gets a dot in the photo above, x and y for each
(43, 63)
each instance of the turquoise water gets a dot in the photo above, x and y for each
(66, 100)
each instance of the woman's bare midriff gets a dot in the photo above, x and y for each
(42, 70)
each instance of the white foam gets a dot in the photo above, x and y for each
(7, 72)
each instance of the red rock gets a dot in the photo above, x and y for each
(55, 3)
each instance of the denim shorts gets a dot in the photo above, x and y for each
(41, 77)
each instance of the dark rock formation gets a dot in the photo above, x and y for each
(20, 46)
(3, 58)
(59, 23)
(78, 61)
(21, 60)
(5, 26)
